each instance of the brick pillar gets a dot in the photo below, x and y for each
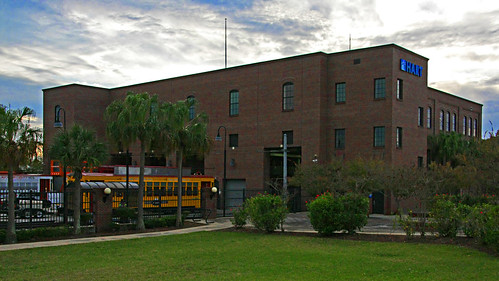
(210, 202)
(103, 210)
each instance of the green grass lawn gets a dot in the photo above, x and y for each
(246, 256)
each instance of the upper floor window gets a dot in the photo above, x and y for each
(289, 137)
(420, 116)
(339, 138)
(287, 96)
(379, 88)
(454, 122)
(470, 127)
(340, 92)
(379, 136)
(428, 118)
(399, 137)
(465, 124)
(442, 120)
(234, 103)
(57, 111)
(192, 108)
(447, 121)
(233, 140)
(400, 89)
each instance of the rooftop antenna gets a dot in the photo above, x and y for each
(349, 41)
(225, 42)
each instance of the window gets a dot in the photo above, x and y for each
(428, 118)
(400, 89)
(470, 127)
(420, 162)
(379, 136)
(192, 108)
(447, 122)
(234, 103)
(442, 120)
(339, 140)
(399, 137)
(379, 88)
(57, 117)
(475, 134)
(465, 123)
(420, 116)
(287, 96)
(356, 61)
(454, 122)
(233, 140)
(341, 92)
(289, 137)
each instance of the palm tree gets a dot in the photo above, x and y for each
(78, 148)
(131, 120)
(183, 135)
(19, 144)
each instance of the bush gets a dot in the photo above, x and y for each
(329, 214)
(3, 235)
(86, 218)
(489, 234)
(42, 232)
(266, 212)
(167, 221)
(124, 214)
(240, 217)
(408, 224)
(356, 210)
(445, 216)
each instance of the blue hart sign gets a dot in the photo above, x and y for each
(411, 68)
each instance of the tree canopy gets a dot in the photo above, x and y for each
(77, 149)
(19, 145)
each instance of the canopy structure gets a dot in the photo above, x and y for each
(112, 185)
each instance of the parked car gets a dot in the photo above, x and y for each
(27, 205)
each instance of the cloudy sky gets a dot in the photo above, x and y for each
(116, 43)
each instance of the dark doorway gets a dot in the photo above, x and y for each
(378, 202)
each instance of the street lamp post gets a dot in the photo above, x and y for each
(224, 180)
(59, 124)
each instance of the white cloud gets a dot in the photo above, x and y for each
(115, 43)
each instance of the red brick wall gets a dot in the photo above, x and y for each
(315, 116)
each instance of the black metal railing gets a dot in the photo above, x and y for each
(33, 209)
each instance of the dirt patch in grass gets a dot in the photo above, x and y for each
(458, 241)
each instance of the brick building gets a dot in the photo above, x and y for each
(373, 102)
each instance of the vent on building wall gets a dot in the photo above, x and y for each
(356, 61)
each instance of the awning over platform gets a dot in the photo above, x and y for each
(112, 185)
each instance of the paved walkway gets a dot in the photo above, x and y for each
(295, 222)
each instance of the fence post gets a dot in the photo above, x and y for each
(30, 209)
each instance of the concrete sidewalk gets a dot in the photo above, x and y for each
(295, 222)
(220, 223)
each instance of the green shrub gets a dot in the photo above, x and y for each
(124, 214)
(266, 211)
(86, 218)
(3, 235)
(445, 216)
(329, 214)
(240, 217)
(408, 224)
(489, 234)
(356, 210)
(167, 221)
(42, 232)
